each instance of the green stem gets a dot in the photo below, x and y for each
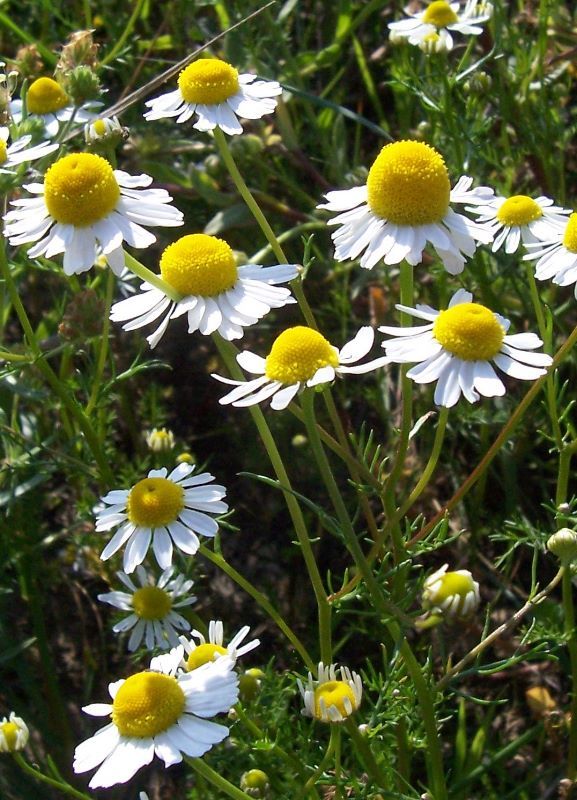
(336, 735)
(569, 626)
(311, 782)
(262, 736)
(565, 456)
(124, 35)
(14, 357)
(151, 277)
(103, 350)
(202, 768)
(39, 776)
(366, 754)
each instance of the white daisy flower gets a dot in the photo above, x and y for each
(329, 698)
(300, 357)
(196, 655)
(557, 257)
(13, 734)
(104, 130)
(405, 204)
(215, 91)
(47, 100)
(441, 19)
(18, 152)
(457, 346)
(451, 594)
(519, 218)
(152, 605)
(217, 295)
(157, 712)
(165, 510)
(83, 207)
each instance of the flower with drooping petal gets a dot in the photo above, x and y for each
(83, 208)
(441, 19)
(215, 91)
(152, 607)
(217, 295)
(165, 510)
(157, 712)
(405, 204)
(13, 734)
(451, 594)
(329, 698)
(300, 357)
(18, 152)
(47, 100)
(456, 348)
(557, 257)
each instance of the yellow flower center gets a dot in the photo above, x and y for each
(45, 96)
(334, 693)
(203, 654)
(147, 704)
(155, 501)
(519, 210)
(453, 584)
(99, 127)
(150, 602)
(297, 354)
(408, 184)
(80, 189)
(199, 265)
(469, 331)
(208, 81)
(10, 731)
(3, 152)
(439, 13)
(570, 237)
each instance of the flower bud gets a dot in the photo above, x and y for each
(255, 783)
(13, 734)
(106, 132)
(563, 544)
(454, 595)
(160, 440)
(249, 684)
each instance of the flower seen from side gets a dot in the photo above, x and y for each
(198, 653)
(405, 204)
(11, 155)
(13, 734)
(218, 95)
(85, 207)
(300, 357)
(217, 295)
(104, 130)
(152, 605)
(330, 698)
(442, 19)
(167, 510)
(454, 595)
(157, 712)
(458, 347)
(556, 258)
(160, 440)
(47, 99)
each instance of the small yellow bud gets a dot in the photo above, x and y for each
(255, 783)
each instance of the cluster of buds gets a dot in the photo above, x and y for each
(76, 68)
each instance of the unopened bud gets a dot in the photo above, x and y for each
(563, 544)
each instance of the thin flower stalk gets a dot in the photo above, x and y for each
(151, 277)
(103, 345)
(202, 769)
(61, 785)
(571, 634)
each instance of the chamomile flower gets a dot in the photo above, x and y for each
(85, 207)
(557, 257)
(217, 295)
(18, 152)
(47, 99)
(157, 712)
(442, 19)
(456, 348)
(330, 698)
(151, 605)
(13, 734)
(165, 510)
(216, 92)
(451, 594)
(160, 440)
(406, 203)
(197, 654)
(300, 357)
(519, 218)
(104, 130)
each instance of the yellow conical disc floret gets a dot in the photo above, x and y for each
(150, 602)
(409, 184)
(10, 731)
(80, 189)
(147, 704)
(334, 693)
(297, 354)
(570, 237)
(469, 331)
(208, 81)
(440, 14)
(3, 152)
(519, 210)
(203, 654)
(199, 265)
(155, 501)
(45, 96)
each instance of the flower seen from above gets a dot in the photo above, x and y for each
(151, 605)
(13, 734)
(456, 348)
(216, 92)
(157, 712)
(217, 295)
(300, 357)
(441, 19)
(330, 698)
(47, 99)
(11, 155)
(451, 594)
(85, 207)
(165, 510)
(557, 257)
(519, 218)
(405, 204)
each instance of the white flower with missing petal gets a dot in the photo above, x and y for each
(11, 155)
(456, 348)
(405, 204)
(329, 698)
(165, 510)
(152, 607)
(215, 91)
(217, 295)
(441, 19)
(300, 357)
(47, 100)
(557, 257)
(157, 712)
